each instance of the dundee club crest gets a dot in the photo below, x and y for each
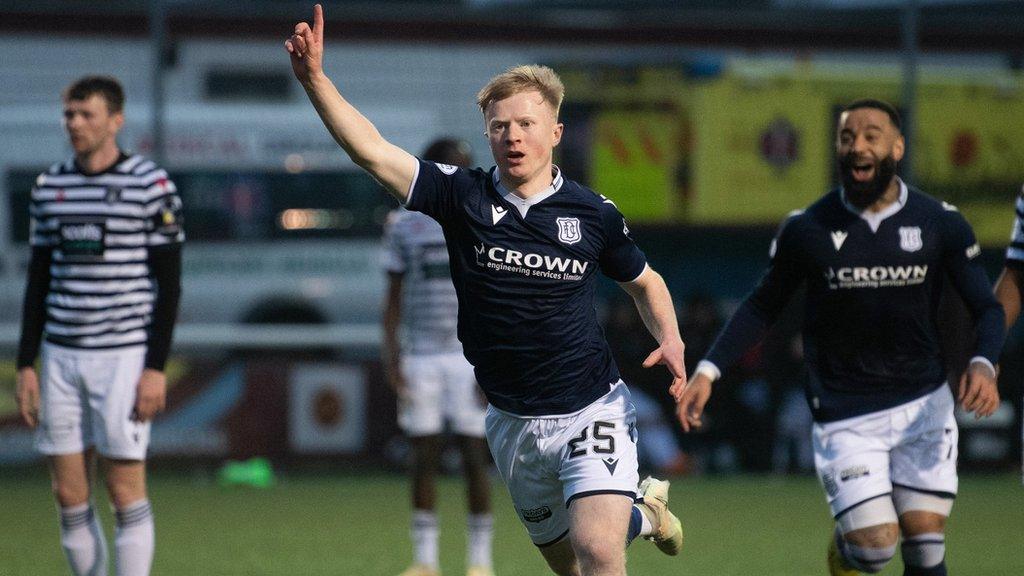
(910, 238)
(569, 230)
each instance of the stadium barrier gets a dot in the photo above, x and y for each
(241, 391)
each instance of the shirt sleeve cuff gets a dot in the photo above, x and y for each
(985, 361)
(708, 369)
(412, 185)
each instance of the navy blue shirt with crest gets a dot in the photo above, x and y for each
(873, 287)
(525, 272)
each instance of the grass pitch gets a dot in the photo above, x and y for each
(339, 523)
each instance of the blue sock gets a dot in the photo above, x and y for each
(937, 570)
(636, 521)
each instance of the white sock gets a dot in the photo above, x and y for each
(82, 538)
(134, 539)
(480, 531)
(424, 537)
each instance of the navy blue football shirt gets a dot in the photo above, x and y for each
(873, 287)
(526, 284)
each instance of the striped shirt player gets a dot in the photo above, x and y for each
(1010, 286)
(439, 382)
(434, 381)
(103, 287)
(96, 263)
(1015, 252)
(414, 247)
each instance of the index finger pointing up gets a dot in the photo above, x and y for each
(318, 22)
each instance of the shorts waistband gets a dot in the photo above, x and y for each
(96, 352)
(614, 387)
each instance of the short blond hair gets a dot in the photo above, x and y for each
(523, 78)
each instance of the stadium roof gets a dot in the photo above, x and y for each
(945, 25)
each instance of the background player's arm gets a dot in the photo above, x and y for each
(33, 317)
(391, 349)
(977, 391)
(151, 391)
(390, 165)
(654, 303)
(1008, 290)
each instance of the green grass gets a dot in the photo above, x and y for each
(357, 524)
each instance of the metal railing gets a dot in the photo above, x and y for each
(192, 336)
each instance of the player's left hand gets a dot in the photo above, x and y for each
(150, 395)
(670, 355)
(690, 404)
(978, 391)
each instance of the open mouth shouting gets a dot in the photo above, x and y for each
(863, 170)
(514, 157)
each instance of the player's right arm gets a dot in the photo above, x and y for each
(746, 328)
(391, 349)
(33, 318)
(396, 264)
(390, 165)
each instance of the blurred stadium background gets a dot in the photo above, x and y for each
(705, 120)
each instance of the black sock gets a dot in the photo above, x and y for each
(937, 570)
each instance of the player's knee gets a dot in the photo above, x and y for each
(879, 536)
(870, 549)
(125, 490)
(869, 559)
(597, 555)
(426, 454)
(920, 522)
(474, 453)
(70, 493)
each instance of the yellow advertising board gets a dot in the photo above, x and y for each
(636, 153)
(762, 150)
(751, 144)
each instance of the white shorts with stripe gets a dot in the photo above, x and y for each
(440, 388)
(87, 399)
(913, 446)
(547, 462)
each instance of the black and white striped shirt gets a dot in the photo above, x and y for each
(100, 228)
(414, 246)
(1015, 252)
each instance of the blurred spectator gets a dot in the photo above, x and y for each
(660, 451)
(785, 372)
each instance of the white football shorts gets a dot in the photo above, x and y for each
(440, 387)
(87, 398)
(547, 462)
(913, 446)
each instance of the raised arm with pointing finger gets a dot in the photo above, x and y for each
(526, 246)
(389, 164)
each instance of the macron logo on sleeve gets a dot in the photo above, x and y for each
(497, 213)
